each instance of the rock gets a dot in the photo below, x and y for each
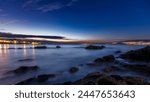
(19, 48)
(40, 47)
(94, 75)
(93, 47)
(22, 60)
(138, 55)
(89, 79)
(58, 47)
(11, 48)
(117, 52)
(117, 77)
(67, 83)
(107, 80)
(136, 81)
(111, 69)
(103, 79)
(26, 82)
(45, 77)
(139, 68)
(24, 69)
(73, 70)
(108, 70)
(99, 60)
(109, 58)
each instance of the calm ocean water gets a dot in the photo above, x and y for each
(55, 61)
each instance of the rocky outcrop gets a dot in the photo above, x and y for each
(58, 47)
(22, 60)
(117, 52)
(45, 77)
(145, 69)
(109, 58)
(94, 47)
(73, 70)
(24, 69)
(138, 55)
(40, 47)
(111, 69)
(26, 82)
(103, 79)
(36, 80)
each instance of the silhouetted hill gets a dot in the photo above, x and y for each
(9, 35)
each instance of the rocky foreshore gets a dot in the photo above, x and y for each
(138, 55)
(103, 79)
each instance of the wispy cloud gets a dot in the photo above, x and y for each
(1, 10)
(46, 7)
(6, 22)
(2, 29)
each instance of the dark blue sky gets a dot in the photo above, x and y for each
(101, 19)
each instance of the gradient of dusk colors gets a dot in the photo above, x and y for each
(77, 19)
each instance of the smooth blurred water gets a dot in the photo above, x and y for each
(52, 60)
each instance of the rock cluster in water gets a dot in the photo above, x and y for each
(138, 55)
(109, 58)
(94, 47)
(40, 47)
(24, 69)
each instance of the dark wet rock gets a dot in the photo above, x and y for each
(94, 47)
(94, 75)
(136, 81)
(22, 60)
(11, 48)
(111, 69)
(138, 55)
(107, 80)
(24, 69)
(109, 58)
(108, 70)
(117, 77)
(67, 83)
(90, 78)
(35, 80)
(73, 70)
(138, 67)
(26, 82)
(58, 47)
(40, 47)
(19, 48)
(103, 79)
(45, 77)
(117, 52)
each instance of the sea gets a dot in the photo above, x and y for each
(57, 61)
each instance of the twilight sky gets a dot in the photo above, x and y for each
(77, 19)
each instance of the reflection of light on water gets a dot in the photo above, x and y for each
(33, 45)
(33, 52)
(24, 53)
(4, 46)
(15, 46)
(24, 46)
(4, 53)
